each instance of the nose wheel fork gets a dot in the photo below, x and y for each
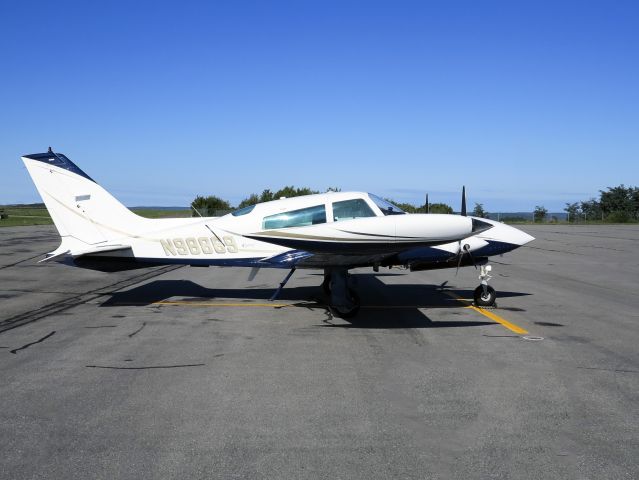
(484, 295)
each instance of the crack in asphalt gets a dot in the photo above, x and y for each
(22, 261)
(23, 347)
(138, 330)
(108, 367)
(67, 303)
(609, 369)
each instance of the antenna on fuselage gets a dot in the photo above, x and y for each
(427, 205)
(196, 210)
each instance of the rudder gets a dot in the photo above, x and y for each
(81, 209)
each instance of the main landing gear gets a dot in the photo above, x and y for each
(484, 295)
(343, 299)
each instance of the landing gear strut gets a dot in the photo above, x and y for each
(343, 299)
(326, 284)
(484, 295)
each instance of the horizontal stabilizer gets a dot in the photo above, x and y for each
(101, 249)
(54, 255)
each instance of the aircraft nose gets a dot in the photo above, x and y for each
(518, 237)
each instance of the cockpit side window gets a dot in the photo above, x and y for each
(385, 206)
(350, 209)
(296, 218)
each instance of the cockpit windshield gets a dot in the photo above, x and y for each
(386, 207)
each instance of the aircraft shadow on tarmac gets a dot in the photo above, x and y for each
(383, 306)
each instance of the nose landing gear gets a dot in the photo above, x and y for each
(484, 295)
(344, 301)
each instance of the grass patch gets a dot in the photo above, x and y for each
(25, 216)
(25, 221)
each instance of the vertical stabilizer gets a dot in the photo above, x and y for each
(81, 209)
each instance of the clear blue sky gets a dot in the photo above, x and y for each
(525, 103)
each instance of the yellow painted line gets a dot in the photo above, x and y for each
(496, 318)
(219, 304)
(280, 305)
(487, 313)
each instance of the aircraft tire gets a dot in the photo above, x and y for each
(341, 313)
(482, 300)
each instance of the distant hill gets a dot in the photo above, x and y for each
(525, 215)
(520, 215)
(25, 205)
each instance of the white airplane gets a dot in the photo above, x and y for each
(334, 231)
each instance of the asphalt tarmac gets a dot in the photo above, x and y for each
(191, 373)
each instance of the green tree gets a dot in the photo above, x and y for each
(288, 192)
(266, 196)
(291, 191)
(440, 208)
(208, 206)
(479, 211)
(616, 204)
(617, 199)
(591, 209)
(618, 216)
(252, 199)
(407, 207)
(634, 200)
(573, 211)
(540, 213)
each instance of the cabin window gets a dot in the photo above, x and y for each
(350, 209)
(296, 218)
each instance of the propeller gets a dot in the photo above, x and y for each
(478, 227)
(463, 205)
(427, 205)
(464, 250)
(466, 247)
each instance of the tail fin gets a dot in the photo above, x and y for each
(83, 211)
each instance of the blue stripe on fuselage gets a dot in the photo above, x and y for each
(432, 254)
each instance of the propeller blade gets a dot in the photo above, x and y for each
(427, 205)
(463, 205)
(467, 250)
(460, 254)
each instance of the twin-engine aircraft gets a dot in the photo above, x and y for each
(334, 231)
